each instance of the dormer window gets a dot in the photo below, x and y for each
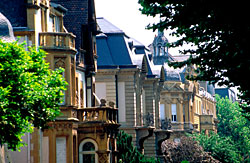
(54, 24)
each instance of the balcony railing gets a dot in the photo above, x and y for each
(106, 115)
(36, 2)
(181, 126)
(57, 40)
(207, 119)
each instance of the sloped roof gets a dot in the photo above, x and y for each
(107, 27)
(75, 17)
(172, 74)
(112, 48)
(115, 48)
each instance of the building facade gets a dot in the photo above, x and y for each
(127, 76)
(188, 105)
(84, 132)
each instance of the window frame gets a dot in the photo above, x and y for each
(81, 152)
(174, 116)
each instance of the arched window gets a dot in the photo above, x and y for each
(87, 151)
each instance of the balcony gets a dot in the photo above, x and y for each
(106, 115)
(57, 41)
(206, 119)
(93, 115)
(178, 126)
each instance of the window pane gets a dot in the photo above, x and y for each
(88, 147)
(162, 111)
(88, 158)
(173, 108)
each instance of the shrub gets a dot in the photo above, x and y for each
(187, 150)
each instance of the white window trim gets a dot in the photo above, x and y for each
(172, 115)
(88, 152)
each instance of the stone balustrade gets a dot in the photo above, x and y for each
(36, 2)
(57, 41)
(98, 114)
(181, 126)
(206, 119)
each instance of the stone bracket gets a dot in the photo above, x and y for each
(161, 136)
(141, 135)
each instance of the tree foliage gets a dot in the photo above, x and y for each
(231, 143)
(30, 92)
(186, 150)
(128, 153)
(221, 148)
(218, 29)
(234, 125)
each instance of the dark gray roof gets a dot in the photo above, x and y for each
(116, 49)
(112, 48)
(77, 15)
(103, 52)
(6, 31)
(107, 27)
(15, 11)
(58, 7)
(172, 76)
(211, 89)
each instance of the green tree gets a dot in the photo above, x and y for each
(218, 30)
(221, 148)
(234, 125)
(232, 141)
(30, 92)
(128, 153)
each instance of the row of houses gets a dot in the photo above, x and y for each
(115, 83)
(152, 97)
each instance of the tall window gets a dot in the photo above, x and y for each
(61, 150)
(174, 113)
(121, 102)
(162, 111)
(87, 152)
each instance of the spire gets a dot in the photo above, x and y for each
(160, 33)
(160, 49)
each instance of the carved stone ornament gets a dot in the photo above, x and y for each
(59, 62)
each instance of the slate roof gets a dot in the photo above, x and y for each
(15, 12)
(172, 74)
(116, 49)
(6, 31)
(107, 27)
(75, 17)
(112, 46)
